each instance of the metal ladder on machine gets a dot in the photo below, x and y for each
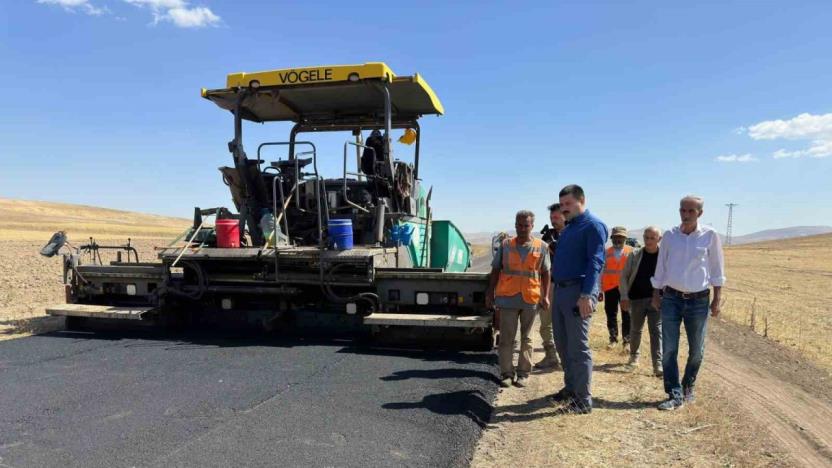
(425, 254)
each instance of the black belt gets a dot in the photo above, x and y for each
(569, 282)
(694, 295)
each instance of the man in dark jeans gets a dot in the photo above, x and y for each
(690, 261)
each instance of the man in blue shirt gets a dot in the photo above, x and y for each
(579, 259)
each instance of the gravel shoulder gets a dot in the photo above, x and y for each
(724, 427)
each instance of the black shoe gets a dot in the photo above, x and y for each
(576, 407)
(561, 395)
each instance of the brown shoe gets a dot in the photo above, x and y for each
(658, 371)
(550, 361)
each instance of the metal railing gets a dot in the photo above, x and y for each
(357, 145)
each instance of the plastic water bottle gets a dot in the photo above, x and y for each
(267, 227)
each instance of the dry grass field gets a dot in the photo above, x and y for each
(36, 220)
(478, 250)
(31, 282)
(783, 290)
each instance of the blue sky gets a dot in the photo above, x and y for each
(638, 102)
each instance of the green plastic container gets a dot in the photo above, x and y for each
(448, 248)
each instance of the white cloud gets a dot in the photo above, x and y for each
(815, 128)
(193, 17)
(179, 13)
(732, 158)
(819, 149)
(77, 5)
(159, 4)
(783, 154)
(803, 127)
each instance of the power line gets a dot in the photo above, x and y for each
(730, 222)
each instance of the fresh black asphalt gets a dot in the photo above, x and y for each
(149, 398)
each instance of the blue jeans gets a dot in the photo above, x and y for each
(571, 334)
(694, 314)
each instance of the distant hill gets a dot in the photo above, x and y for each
(27, 219)
(762, 236)
(480, 238)
(783, 233)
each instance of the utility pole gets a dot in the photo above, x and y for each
(730, 222)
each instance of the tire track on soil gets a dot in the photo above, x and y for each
(800, 421)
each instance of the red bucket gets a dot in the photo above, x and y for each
(228, 233)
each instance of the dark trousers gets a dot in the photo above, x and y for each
(572, 342)
(611, 300)
(641, 310)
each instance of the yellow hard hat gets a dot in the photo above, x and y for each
(408, 137)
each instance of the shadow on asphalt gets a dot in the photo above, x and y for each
(442, 374)
(469, 403)
(458, 356)
(349, 342)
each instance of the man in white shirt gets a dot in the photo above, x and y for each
(690, 261)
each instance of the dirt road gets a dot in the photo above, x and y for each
(799, 421)
(772, 418)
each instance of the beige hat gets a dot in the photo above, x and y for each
(619, 231)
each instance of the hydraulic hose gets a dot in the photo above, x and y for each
(367, 297)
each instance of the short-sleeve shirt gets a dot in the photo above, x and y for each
(516, 301)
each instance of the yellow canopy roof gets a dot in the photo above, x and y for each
(327, 94)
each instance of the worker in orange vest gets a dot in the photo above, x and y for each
(616, 258)
(518, 285)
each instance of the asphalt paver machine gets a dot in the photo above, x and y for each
(358, 250)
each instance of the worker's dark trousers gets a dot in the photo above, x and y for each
(611, 301)
(572, 342)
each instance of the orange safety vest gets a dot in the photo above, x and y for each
(521, 276)
(613, 268)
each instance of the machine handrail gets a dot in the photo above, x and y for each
(314, 154)
(359, 145)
